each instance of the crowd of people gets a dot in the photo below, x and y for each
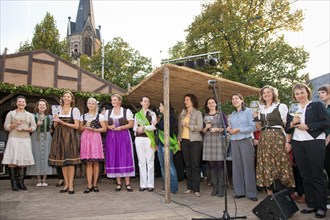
(293, 148)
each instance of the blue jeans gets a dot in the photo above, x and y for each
(173, 175)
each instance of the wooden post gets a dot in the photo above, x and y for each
(166, 135)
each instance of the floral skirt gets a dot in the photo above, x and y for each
(273, 161)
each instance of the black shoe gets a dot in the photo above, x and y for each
(129, 188)
(238, 197)
(64, 190)
(71, 192)
(307, 210)
(254, 199)
(142, 189)
(96, 189)
(320, 214)
(118, 187)
(150, 189)
(87, 190)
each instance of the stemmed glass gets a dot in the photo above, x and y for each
(295, 110)
(208, 120)
(89, 118)
(55, 110)
(255, 107)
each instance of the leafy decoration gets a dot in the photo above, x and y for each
(34, 90)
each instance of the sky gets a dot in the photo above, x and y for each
(153, 26)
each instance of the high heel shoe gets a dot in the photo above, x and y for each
(64, 190)
(71, 192)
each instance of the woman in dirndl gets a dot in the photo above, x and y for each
(118, 144)
(91, 148)
(41, 142)
(65, 147)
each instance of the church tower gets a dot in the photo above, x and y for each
(83, 37)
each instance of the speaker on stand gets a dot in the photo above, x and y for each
(278, 206)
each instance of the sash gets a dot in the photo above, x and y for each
(174, 145)
(142, 121)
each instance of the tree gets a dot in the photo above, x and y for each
(46, 36)
(122, 64)
(249, 35)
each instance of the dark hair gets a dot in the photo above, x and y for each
(172, 112)
(325, 88)
(36, 107)
(301, 86)
(240, 96)
(207, 110)
(20, 97)
(144, 97)
(193, 99)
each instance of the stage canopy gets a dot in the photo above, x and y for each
(184, 80)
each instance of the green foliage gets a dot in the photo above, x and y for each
(122, 64)
(34, 90)
(46, 36)
(248, 34)
(25, 47)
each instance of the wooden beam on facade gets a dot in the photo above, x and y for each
(6, 98)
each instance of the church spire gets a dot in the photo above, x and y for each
(85, 12)
(83, 37)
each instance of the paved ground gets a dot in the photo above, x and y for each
(48, 203)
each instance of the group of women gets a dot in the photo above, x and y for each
(200, 138)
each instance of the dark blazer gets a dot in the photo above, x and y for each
(316, 119)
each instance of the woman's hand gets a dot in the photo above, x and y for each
(288, 147)
(140, 129)
(302, 127)
(111, 127)
(185, 124)
(119, 128)
(233, 130)
(295, 120)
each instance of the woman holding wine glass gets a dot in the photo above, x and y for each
(308, 146)
(18, 154)
(41, 142)
(273, 162)
(64, 151)
(91, 125)
(213, 145)
(241, 127)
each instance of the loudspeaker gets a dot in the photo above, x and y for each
(278, 206)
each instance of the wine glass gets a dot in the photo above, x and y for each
(55, 110)
(41, 119)
(208, 120)
(295, 110)
(89, 118)
(255, 107)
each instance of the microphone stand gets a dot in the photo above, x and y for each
(225, 215)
